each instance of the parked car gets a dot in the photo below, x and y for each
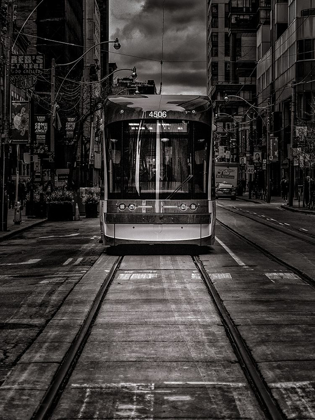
(225, 190)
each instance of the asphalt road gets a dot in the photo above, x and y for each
(51, 273)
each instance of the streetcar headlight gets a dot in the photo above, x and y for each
(122, 206)
(183, 207)
(193, 206)
(131, 207)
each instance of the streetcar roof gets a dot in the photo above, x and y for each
(123, 107)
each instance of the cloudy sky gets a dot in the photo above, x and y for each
(139, 26)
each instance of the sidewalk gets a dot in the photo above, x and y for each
(13, 228)
(277, 200)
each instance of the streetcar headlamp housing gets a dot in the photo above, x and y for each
(183, 207)
(193, 206)
(122, 206)
(131, 207)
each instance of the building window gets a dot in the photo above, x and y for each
(226, 45)
(306, 49)
(226, 16)
(214, 44)
(305, 109)
(227, 71)
(238, 45)
(308, 12)
(214, 22)
(214, 71)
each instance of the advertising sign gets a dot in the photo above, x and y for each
(20, 122)
(273, 148)
(250, 169)
(26, 64)
(257, 157)
(70, 127)
(41, 128)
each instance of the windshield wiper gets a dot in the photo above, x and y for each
(179, 187)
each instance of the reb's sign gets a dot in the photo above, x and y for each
(27, 64)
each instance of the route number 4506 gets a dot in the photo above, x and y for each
(158, 114)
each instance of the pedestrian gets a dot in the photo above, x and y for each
(21, 193)
(283, 188)
(306, 190)
(312, 193)
(11, 193)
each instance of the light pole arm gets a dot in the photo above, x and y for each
(116, 46)
(226, 98)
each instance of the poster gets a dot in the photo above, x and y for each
(20, 122)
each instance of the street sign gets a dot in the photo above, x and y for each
(250, 169)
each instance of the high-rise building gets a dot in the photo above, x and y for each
(286, 78)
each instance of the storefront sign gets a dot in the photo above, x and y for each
(25, 64)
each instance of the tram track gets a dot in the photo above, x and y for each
(246, 361)
(59, 381)
(244, 356)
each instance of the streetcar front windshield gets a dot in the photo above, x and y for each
(158, 159)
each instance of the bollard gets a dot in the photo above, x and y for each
(17, 213)
(77, 212)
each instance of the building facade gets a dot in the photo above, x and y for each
(63, 143)
(285, 78)
(232, 30)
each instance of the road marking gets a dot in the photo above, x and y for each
(287, 224)
(68, 261)
(62, 236)
(280, 276)
(78, 261)
(32, 261)
(305, 230)
(220, 276)
(235, 257)
(231, 384)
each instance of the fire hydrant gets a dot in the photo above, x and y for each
(17, 213)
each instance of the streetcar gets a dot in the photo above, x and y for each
(158, 171)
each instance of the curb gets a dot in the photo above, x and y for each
(297, 210)
(8, 234)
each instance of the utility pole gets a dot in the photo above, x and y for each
(53, 114)
(7, 106)
(268, 161)
(291, 167)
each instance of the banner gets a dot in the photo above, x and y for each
(20, 122)
(273, 148)
(40, 129)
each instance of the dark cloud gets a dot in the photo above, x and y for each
(139, 27)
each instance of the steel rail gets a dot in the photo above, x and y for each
(247, 363)
(68, 364)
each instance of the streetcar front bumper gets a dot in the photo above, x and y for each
(158, 229)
